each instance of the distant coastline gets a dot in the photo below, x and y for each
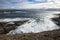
(42, 9)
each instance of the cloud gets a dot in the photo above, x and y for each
(27, 4)
(38, 6)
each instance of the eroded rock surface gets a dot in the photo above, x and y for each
(56, 20)
(5, 27)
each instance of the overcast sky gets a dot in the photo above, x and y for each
(21, 4)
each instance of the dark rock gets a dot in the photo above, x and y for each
(56, 20)
(18, 23)
(5, 27)
(47, 35)
(1, 30)
(9, 27)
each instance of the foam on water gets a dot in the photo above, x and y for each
(42, 23)
(13, 19)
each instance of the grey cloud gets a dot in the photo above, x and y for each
(13, 3)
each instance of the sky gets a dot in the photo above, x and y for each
(29, 4)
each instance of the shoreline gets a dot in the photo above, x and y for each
(48, 35)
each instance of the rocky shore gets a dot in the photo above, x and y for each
(5, 27)
(50, 35)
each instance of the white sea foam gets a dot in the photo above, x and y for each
(13, 19)
(42, 23)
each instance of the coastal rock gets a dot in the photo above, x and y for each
(47, 35)
(5, 27)
(57, 19)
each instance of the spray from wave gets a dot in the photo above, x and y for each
(42, 23)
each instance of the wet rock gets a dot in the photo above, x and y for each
(5, 27)
(1, 30)
(9, 27)
(18, 23)
(56, 20)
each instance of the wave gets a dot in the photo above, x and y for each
(42, 23)
(13, 19)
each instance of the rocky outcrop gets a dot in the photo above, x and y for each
(56, 20)
(49, 35)
(5, 27)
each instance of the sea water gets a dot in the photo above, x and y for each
(38, 21)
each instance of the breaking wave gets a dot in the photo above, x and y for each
(43, 22)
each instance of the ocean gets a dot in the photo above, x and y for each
(39, 21)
